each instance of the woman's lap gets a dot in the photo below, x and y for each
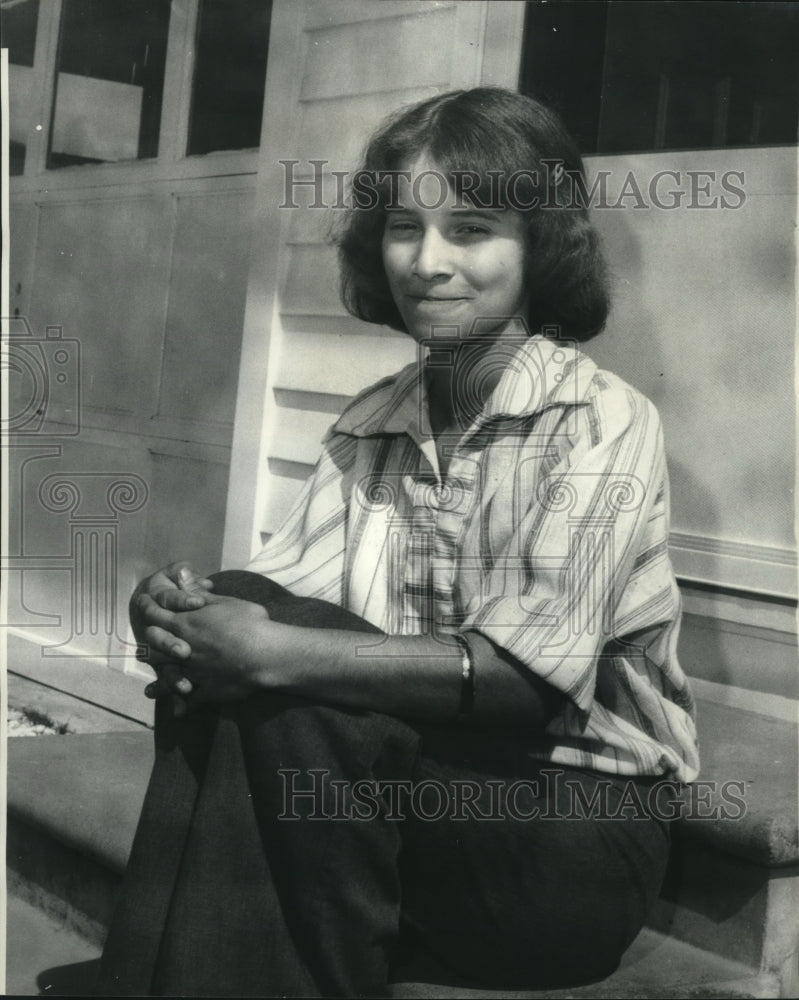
(313, 905)
(531, 890)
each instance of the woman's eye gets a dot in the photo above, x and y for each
(473, 229)
(402, 230)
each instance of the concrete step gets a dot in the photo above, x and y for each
(45, 957)
(76, 715)
(72, 807)
(733, 882)
(730, 897)
(653, 967)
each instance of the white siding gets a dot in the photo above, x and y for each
(337, 69)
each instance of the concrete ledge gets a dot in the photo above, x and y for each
(653, 966)
(77, 715)
(95, 785)
(74, 891)
(82, 794)
(761, 756)
(84, 791)
(86, 678)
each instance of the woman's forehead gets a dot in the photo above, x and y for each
(422, 183)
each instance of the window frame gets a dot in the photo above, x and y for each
(599, 146)
(172, 161)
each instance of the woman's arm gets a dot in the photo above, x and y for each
(236, 650)
(417, 677)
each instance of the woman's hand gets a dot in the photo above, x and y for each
(178, 587)
(217, 648)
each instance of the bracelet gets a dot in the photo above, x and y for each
(467, 678)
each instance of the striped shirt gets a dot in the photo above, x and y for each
(548, 534)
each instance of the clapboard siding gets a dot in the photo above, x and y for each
(342, 66)
(343, 363)
(342, 324)
(323, 138)
(371, 56)
(322, 13)
(299, 433)
(311, 282)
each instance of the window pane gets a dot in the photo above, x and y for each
(562, 59)
(229, 75)
(636, 76)
(110, 81)
(18, 30)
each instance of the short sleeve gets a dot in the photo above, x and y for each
(588, 561)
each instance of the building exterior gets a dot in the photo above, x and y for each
(158, 263)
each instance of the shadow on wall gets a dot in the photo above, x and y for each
(703, 324)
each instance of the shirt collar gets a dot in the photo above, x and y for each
(537, 373)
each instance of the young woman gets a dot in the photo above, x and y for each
(436, 714)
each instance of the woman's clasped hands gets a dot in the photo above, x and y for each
(203, 646)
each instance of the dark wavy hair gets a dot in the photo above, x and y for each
(494, 134)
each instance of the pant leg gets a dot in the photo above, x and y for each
(266, 904)
(182, 750)
(263, 905)
(225, 895)
(510, 901)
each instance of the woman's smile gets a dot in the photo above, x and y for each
(452, 264)
(436, 300)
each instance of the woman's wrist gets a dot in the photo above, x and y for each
(275, 656)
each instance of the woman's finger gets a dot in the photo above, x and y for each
(179, 705)
(153, 614)
(180, 600)
(170, 680)
(164, 645)
(188, 579)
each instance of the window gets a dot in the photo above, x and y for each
(18, 28)
(681, 74)
(110, 81)
(229, 75)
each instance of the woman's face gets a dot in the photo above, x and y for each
(448, 265)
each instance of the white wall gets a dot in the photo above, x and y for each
(703, 322)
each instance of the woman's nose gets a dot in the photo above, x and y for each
(433, 256)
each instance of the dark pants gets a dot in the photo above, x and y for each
(290, 848)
